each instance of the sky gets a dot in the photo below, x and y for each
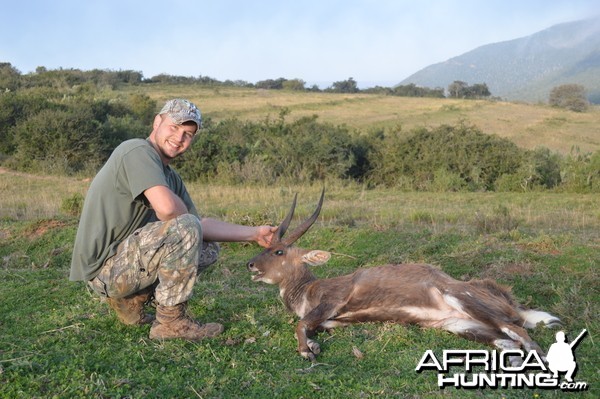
(377, 42)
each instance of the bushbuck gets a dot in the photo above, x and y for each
(479, 310)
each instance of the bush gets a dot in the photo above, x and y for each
(72, 205)
(445, 181)
(63, 122)
(540, 170)
(544, 167)
(16, 108)
(581, 173)
(64, 139)
(462, 151)
(41, 133)
(10, 77)
(222, 144)
(307, 150)
(510, 183)
(302, 151)
(143, 108)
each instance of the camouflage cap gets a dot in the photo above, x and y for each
(181, 111)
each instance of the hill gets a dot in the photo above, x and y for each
(527, 125)
(527, 68)
(262, 136)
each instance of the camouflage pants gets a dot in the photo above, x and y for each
(167, 254)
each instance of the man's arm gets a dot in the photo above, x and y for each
(217, 230)
(167, 206)
(165, 203)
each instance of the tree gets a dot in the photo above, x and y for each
(460, 89)
(345, 86)
(412, 90)
(270, 84)
(478, 90)
(457, 89)
(294, 84)
(569, 96)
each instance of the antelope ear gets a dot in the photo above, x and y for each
(315, 258)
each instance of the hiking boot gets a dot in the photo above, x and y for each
(172, 322)
(130, 309)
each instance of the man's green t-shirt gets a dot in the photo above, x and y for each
(115, 205)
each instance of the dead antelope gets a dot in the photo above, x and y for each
(479, 310)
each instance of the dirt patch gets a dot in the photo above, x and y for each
(41, 227)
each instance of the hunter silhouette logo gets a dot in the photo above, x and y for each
(511, 368)
(560, 355)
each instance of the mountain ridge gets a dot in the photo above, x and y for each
(526, 68)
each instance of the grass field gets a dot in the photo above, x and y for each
(57, 340)
(527, 125)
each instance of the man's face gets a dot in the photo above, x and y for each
(170, 139)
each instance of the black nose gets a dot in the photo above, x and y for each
(250, 265)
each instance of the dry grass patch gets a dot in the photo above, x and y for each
(26, 196)
(528, 125)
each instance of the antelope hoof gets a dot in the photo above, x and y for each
(314, 347)
(308, 355)
(310, 351)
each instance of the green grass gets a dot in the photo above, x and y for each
(59, 340)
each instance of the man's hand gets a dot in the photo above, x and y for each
(265, 235)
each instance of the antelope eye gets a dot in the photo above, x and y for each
(279, 252)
